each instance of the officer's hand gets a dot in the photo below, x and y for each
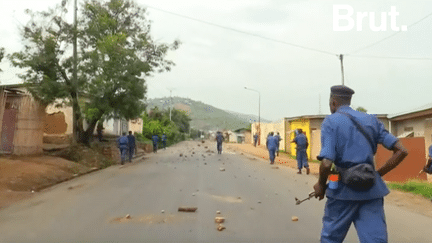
(319, 191)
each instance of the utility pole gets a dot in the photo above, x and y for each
(342, 69)
(259, 114)
(75, 76)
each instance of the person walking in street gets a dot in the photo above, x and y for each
(255, 137)
(301, 151)
(271, 145)
(356, 191)
(164, 140)
(219, 140)
(122, 144)
(278, 143)
(131, 145)
(155, 139)
(99, 130)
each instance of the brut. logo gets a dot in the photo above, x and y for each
(345, 21)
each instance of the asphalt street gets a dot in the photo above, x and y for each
(256, 200)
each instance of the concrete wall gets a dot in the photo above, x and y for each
(418, 125)
(266, 128)
(55, 124)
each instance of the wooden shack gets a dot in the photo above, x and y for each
(22, 121)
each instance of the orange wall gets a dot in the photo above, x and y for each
(410, 166)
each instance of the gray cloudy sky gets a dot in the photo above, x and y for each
(213, 65)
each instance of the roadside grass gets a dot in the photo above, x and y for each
(414, 186)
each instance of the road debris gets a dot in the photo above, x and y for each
(128, 216)
(205, 163)
(275, 167)
(162, 211)
(222, 169)
(221, 227)
(259, 201)
(202, 141)
(294, 218)
(219, 220)
(187, 209)
(193, 194)
(218, 212)
(181, 155)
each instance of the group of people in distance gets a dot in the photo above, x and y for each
(300, 139)
(155, 139)
(272, 144)
(127, 146)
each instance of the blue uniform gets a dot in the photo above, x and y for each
(430, 155)
(131, 146)
(219, 140)
(272, 144)
(301, 155)
(164, 139)
(155, 139)
(122, 144)
(342, 143)
(255, 139)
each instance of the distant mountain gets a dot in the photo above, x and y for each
(205, 117)
(250, 118)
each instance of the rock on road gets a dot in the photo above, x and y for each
(256, 202)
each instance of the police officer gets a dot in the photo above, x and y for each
(271, 145)
(155, 140)
(122, 144)
(345, 146)
(301, 155)
(255, 139)
(428, 166)
(131, 145)
(164, 140)
(219, 140)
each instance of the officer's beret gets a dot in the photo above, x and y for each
(341, 90)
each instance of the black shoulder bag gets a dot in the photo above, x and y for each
(360, 177)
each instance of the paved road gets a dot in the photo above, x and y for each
(256, 200)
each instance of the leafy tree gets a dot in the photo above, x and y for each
(181, 119)
(361, 109)
(117, 53)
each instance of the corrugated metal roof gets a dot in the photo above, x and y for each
(418, 109)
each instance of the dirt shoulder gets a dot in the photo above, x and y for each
(21, 177)
(409, 201)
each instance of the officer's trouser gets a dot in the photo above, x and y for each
(302, 159)
(219, 147)
(155, 147)
(367, 215)
(272, 152)
(123, 153)
(131, 153)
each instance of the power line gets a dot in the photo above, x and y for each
(390, 36)
(242, 32)
(384, 57)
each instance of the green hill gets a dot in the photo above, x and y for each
(205, 117)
